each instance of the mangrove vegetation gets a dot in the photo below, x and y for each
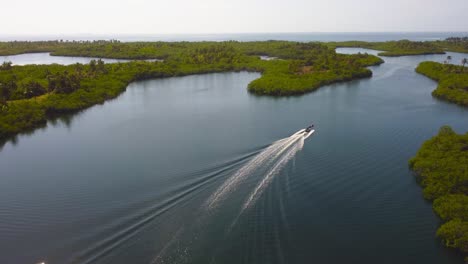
(441, 166)
(395, 48)
(455, 44)
(30, 94)
(453, 80)
(407, 47)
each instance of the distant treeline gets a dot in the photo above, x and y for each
(19, 47)
(161, 50)
(407, 47)
(395, 48)
(457, 39)
(442, 169)
(456, 44)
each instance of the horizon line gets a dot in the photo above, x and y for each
(224, 33)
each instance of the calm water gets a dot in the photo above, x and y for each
(137, 180)
(306, 36)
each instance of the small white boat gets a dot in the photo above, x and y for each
(309, 131)
(306, 132)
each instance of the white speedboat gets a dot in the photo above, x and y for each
(306, 132)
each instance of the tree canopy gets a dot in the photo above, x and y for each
(441, 165)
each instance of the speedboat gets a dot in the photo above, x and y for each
(306, 132)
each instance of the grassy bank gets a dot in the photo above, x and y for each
(441, 166)
(453, 81)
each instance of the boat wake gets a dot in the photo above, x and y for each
(268, 162)
(288, 155)
(259, 171)
(180, 239)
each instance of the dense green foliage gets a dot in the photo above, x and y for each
(395, 48)
(30, 94)
(309, 66)
(453, 81)
(161, 50)
(71, 88)
(119, 50)
(442, 167)
(406, 47)
(18, 47)
(297, 78)
(455, 44)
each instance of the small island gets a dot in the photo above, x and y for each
(453, 80)
(441, 166)
(455, 44)
(407, 47)
(394, 48)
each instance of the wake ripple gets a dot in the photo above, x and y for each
(274, 156)
(297, 146)
(267, 163)
(129, 228)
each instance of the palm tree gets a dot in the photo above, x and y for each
(6, 65)
(463, 62)
(3, 103)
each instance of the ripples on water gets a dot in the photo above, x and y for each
(252, 172)
(124, 229)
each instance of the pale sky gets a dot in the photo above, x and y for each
(229, 16)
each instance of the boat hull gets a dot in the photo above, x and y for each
(304, 133)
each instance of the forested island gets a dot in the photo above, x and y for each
(407, 47)
(30, 94)
(441, 166)
(160, 50)
(455, 44)
(395, 48)
(453, 80)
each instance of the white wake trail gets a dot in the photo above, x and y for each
(264, 158)
(272, 173)
(257, 192)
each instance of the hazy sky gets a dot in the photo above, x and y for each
(229, 16)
